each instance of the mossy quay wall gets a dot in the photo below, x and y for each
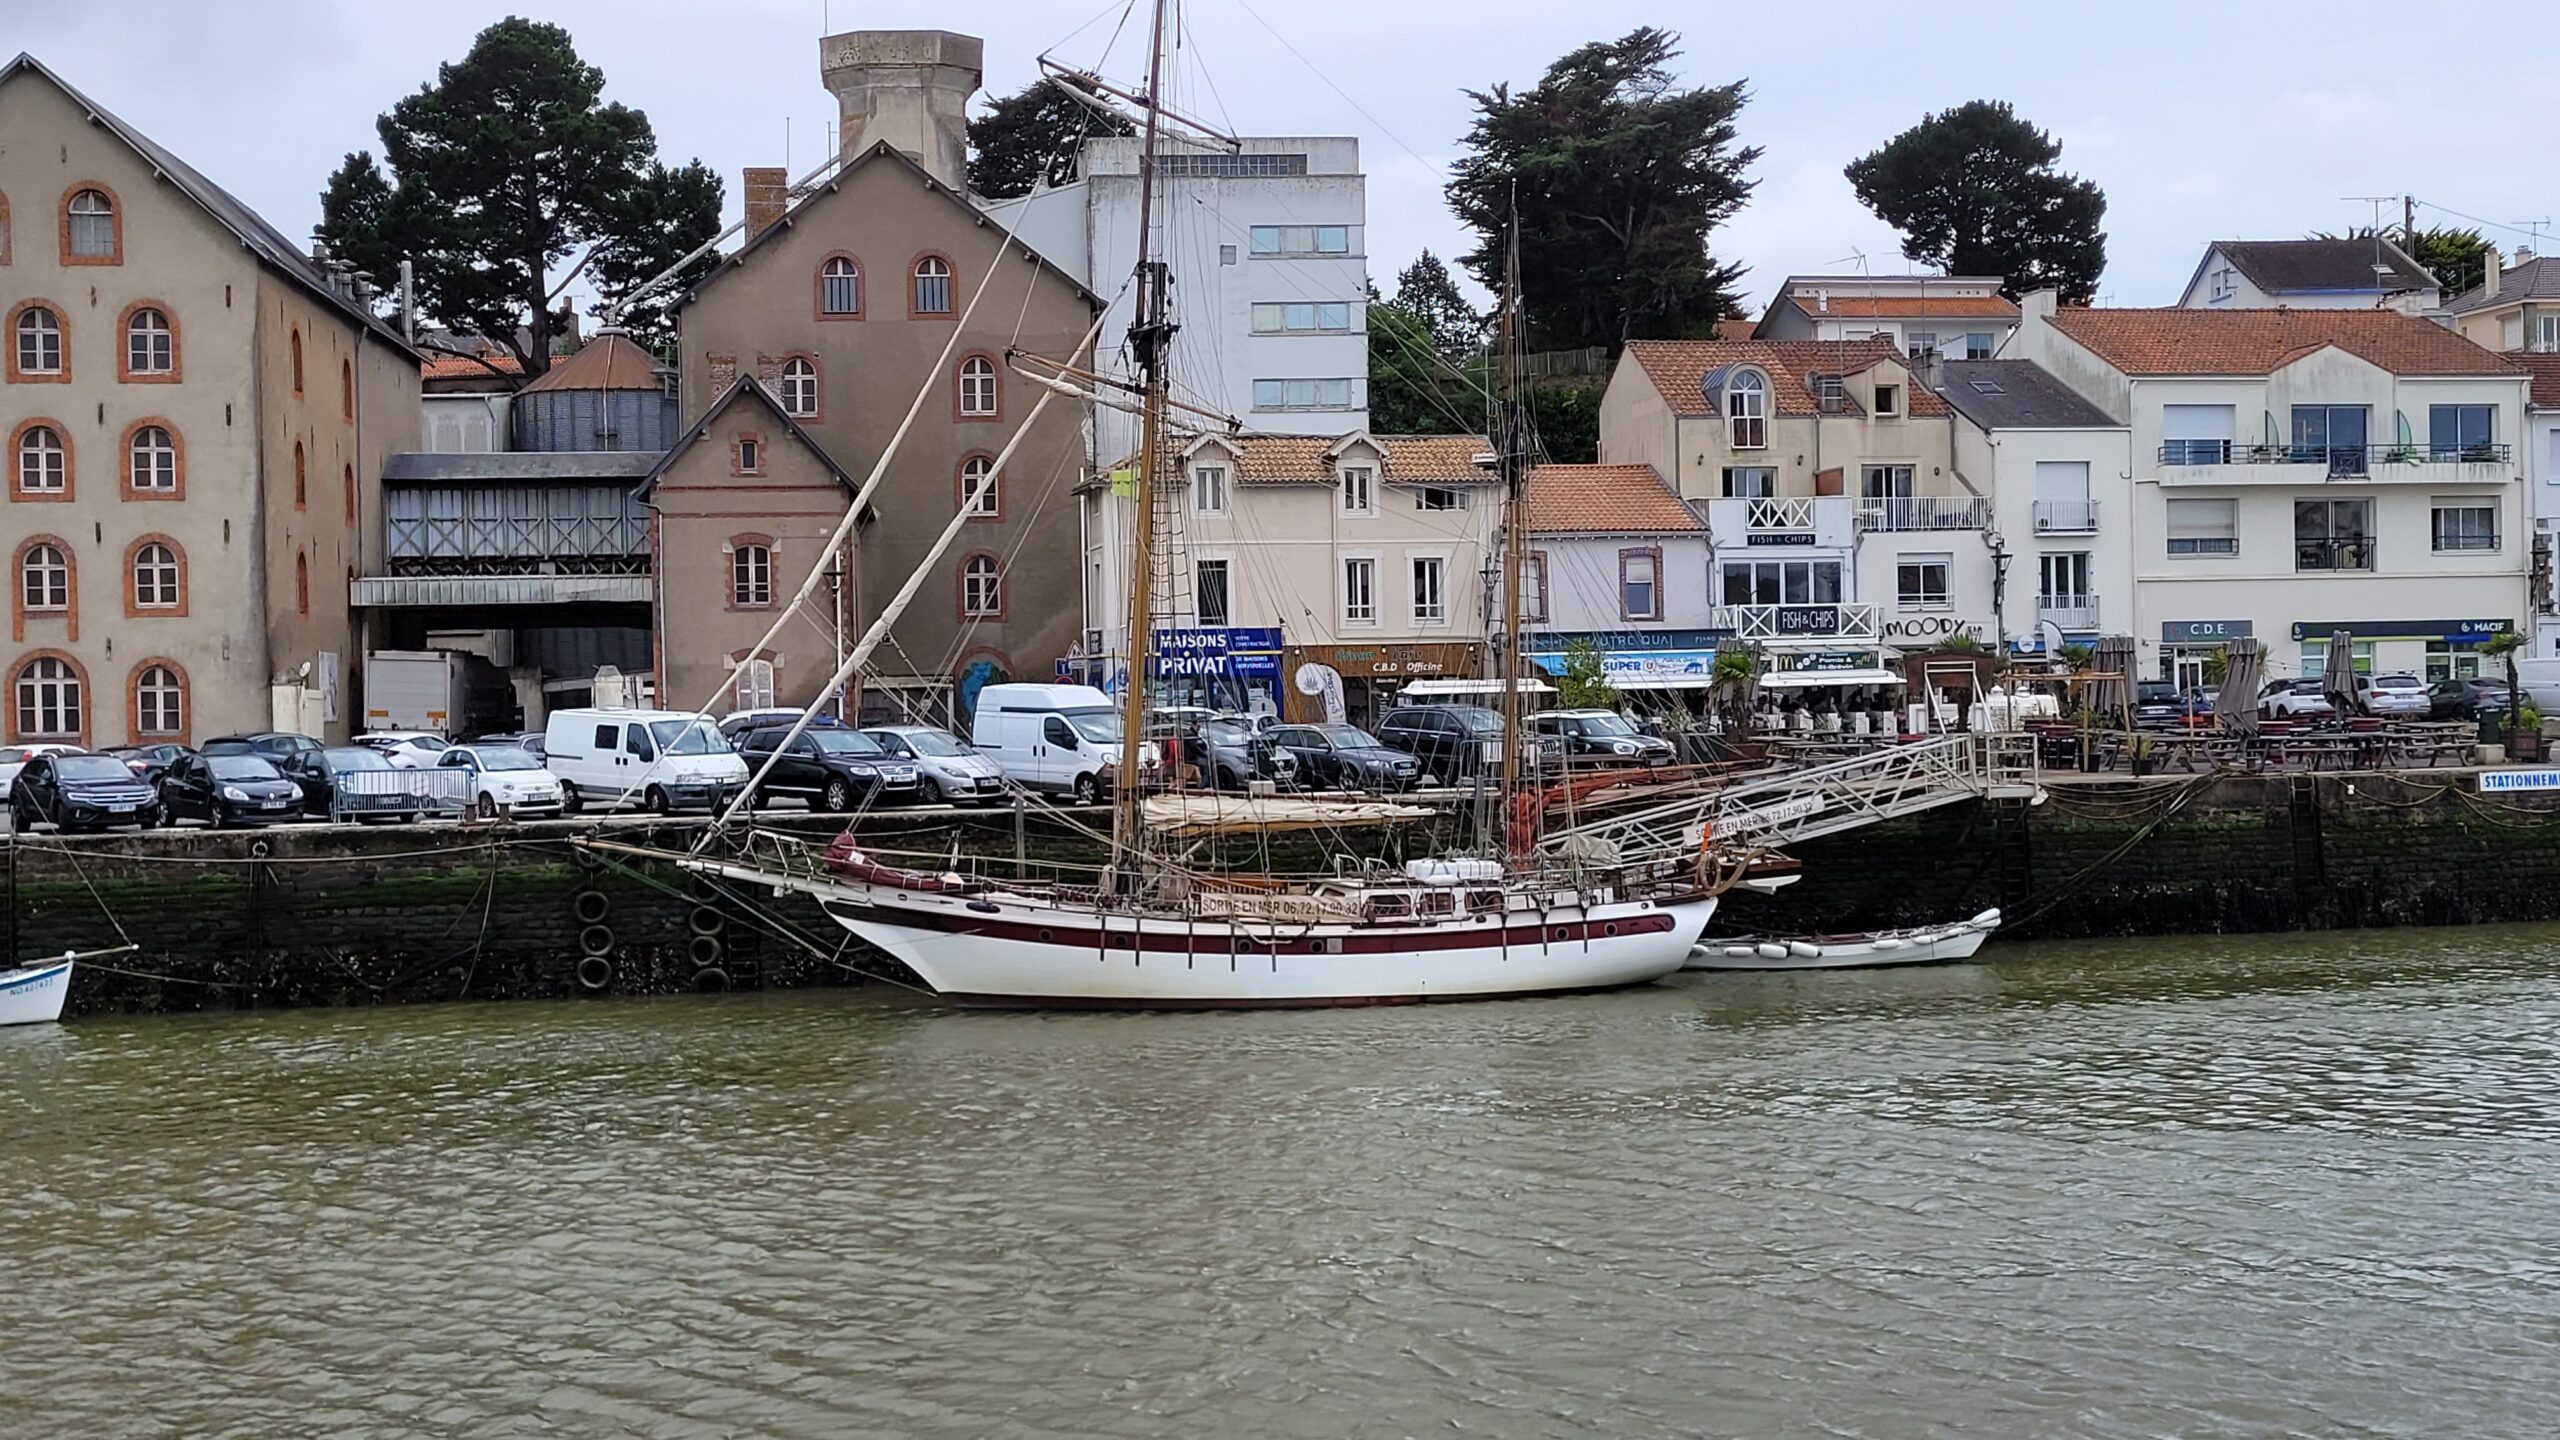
(2201, 855)
(355, 916)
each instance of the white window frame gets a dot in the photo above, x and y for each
(92, 228)
(2436, 508)
(1428, 575)
(1209, 489)
(1944, 562)
(2217, 547)
(1893, 411)
(44, 466)
(981, 588)
(151, 465)
(978, 387)
(150, 345)
(1357, 486)
(930, 280)
(751, 577)
(755, 685)
(835, 283)
(991, 502)
(1650, 558)
(1359, 591)
(1746, 411)
(159, 704)
(50, 704)
(44, 580)
(800, 388)
(39, 341)
(155, 583)
(1439, 499)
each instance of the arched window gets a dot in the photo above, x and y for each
(44, 578)
(301, 584)
(349, 481)
(981, 588)
(48, 700)
(800, 389)
(347, 388)
(750, 576)
(150, 346)
(979, 469)
(151, 461)
(44, 464)
(294, 342)
(159, 703)
(977, 388)
(39, 348)
(155, 578)
(1746, 408)
(839, 288)
(301, 477)
(933, 286)
(90, 227)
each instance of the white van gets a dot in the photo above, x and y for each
(1050, 737)
(663, 759)
(2540, 679)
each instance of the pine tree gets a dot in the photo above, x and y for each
(1031, 138)
(1974, 191)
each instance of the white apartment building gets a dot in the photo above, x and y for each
(1963, 317)
(1270, 275)
(2542, 472)
(2301, 472)
(2059, 471)
(2367, 273)
(1373, 555)
(1619, 562)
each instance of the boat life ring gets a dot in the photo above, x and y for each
(595, 972)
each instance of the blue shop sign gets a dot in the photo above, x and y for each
(2452, 632)
(1250, 652)
(2493, 781)
(1558, 641)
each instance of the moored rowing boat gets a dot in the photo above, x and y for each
(1919, 945)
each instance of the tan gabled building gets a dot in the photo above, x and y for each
(196, 414)
(842, 304)
(741, 511)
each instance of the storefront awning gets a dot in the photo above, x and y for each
(1799, 679)
(1474, 687)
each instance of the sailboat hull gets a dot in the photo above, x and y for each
(1017, 956)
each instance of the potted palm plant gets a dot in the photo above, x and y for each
(2523, 740)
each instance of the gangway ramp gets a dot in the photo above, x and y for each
(1780, 810)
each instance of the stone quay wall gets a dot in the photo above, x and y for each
(355, 916)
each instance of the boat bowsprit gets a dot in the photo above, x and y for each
(1918, 945)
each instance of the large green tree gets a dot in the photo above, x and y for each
(1619, 177)
(1033, 137)
(500, 170)
(2457, 258)
(1426, 359)
(1974, 191)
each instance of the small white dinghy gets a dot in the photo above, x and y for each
(34, 995)
(1920, 945)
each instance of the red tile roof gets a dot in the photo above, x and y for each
(1679, 369)
(2546, 378)
(1867, 307)
(1308, 459)
(1735, 329)
(443, 365)
(2260, 342)
(1604, 499)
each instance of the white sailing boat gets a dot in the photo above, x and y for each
(33, 995)
(1151, 931)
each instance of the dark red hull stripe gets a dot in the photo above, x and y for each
(1085, 936)
(1326, 1002)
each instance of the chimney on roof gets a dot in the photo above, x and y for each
(908, 88)
(767, 189)
(2524, 256)
(2488, 272)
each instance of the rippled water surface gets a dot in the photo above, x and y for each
(2205, 1188)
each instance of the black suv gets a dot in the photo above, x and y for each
(832, 769)
(76, 792)
(1598, 737)
(1453, 742)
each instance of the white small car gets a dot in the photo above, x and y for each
(503, 780)
(14, 758)
(948, 769)
(405, 749)
(2399, 696)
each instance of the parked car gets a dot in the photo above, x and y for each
(1059, 738)
(946, 767)
(81, 792)
(1234, 754)
(739, 722)
(663, 759)
(2466, 699)
(833, 769)
(229, 787)
(529, 741)
(2298, 699)
(503, 780)
(1453, 742)
(273, 744)
(406, 749)
(1346, 757)
(2399, 696)
(148, 761)
(2160, 704)
(327, 794)
(1598, 737)
(15, 757)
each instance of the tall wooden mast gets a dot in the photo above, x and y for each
(1149, 336)
(1511, 443)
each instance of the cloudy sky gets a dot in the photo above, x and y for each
(2198, 120)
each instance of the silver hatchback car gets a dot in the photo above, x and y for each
(948, 771)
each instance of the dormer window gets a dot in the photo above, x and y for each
(1832, 392)
(1746, 410)
(1209, 489)
(1359, 490)
(1888, 401)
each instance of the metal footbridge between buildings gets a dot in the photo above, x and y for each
(1776, 811)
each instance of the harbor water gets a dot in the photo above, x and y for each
(2282, 1186)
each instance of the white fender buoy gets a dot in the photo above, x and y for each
(1987, 920)
(1771, 950)
(1740, 952)
(1886, 942)
(1803, 951)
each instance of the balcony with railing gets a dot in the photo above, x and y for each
(1924, 512)
(1797, 622)
(2071, 612)
(2066, 517)
(1780, 521)
(2226, 462)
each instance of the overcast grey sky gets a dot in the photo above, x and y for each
(2200, 121)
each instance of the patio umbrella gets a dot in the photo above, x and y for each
(2235, 707)
(2111, 694)
(2338, 677)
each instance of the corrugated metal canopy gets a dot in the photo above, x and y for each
(440, 590)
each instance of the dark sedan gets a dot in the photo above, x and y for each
(1346, 757)
(231, 788)
(328, 793)
(2466, 699)
(81, 792)
(148, 761)
(273, 744)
